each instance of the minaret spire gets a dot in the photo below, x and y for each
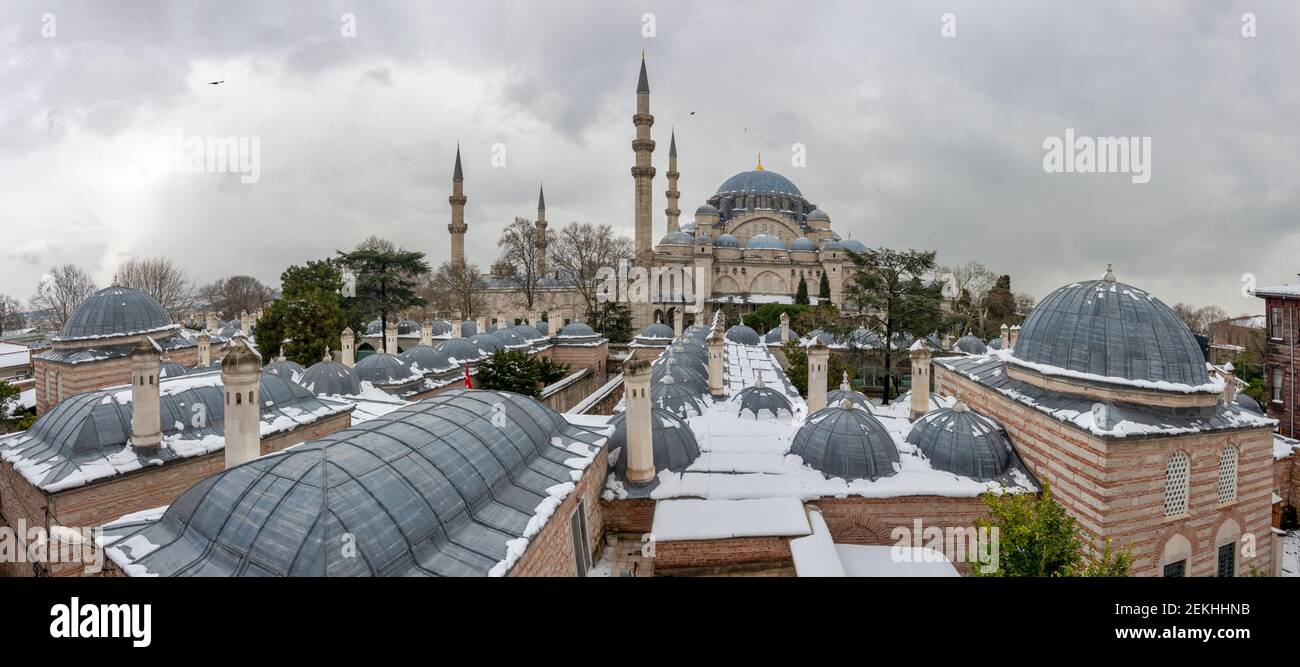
(643, 172)
(457, 228)
(540, 241)
(672, 212)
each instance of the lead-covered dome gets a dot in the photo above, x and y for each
(330, 378)
(962, 442)
(382, 370)
(761, 401)
(671, 439)
(575, 330)
(427, 359)
(759, 181)
(677, 238)
(854, 245)
(706, 209)
(281, 367)
(846, 443)
(970, 345)
(764, 242)
(1110, 332)
(742, 334)
(116, 311)
(726, 241)
(803, 243)
(681, 399)
(459, 350)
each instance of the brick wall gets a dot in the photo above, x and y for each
(634, 517)
(724, 553)
(1282, 354)
(578, 356)
(1115, 488)
(550, 553)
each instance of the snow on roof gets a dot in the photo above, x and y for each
(815, 554)
(1214, 386)
(14, 355)
(1278, 290)
(1283, 446)
(880, 561)
(694, 519)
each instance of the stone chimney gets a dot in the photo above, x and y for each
(1015, 333)
(348, 348)
(390, 338)
(426, 333)
(716, 347)
(241, 373)
(818, 359)
(1006, 336)
(920, 379)
(146, 424)
(245, 322)
(205, 350)
(639, 449)
(481, 324)
(677, 323)
(1229, 378)
(844, 382)
(947, 341)
(213, 322)
(785, 326)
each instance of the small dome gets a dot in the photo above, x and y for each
(575, 330)
(543, 327)
(854, 245)
(765, 242)
(510, 338)
(383, 369)
(330, 378)
(488, 343)
(459, 350)
(681, 399)
(677, 238)
(831, 244)
(408, 328)
(726, 241)
(688, 226)
(936, 400)
(845, 443)
(528, 333)
(286, 369)
(865, 338)
(774, 336)
(962, 442)
(761, 401)
(375, 328)
(427, 359)
(803, 243)
(672, 441)
(116, 311)
(440, 328)
(856, 398)
(703, 239)
(1108, 329)
(818, 214)
(468, 329)
(743, 335)
(171, 369)
(657, 330)
(1247, 403)
(707, 209)
(995, 344)
(824, 337)
(970, 345)
(682, 373)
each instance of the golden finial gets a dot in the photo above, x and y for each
(760, 163)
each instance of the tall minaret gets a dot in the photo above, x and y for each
(644, 172)
(672, 211)
(457, 200)
(540, 242)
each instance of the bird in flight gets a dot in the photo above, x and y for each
(213, 83)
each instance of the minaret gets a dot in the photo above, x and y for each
(672, 211)
(540, 242)
(457, 201)
(643, 172)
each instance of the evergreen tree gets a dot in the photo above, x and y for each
(824, 289)
(613, 320)
(309, 315)
(1037, 538)
(510, 370)
(797, 357)
(387, 278)
(801, 294)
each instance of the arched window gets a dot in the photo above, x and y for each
(1176, 484)
(1228, 474)
(58, 380)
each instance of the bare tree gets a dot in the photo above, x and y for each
(161, 279)
(451, 288)
(581, 249)
(231, 295)
(11, 317)
(518, 262)
(60, 292)
(1199, 319)
(373, 242)
(964, 289)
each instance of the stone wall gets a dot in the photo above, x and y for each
(550, 553)
(569, 391)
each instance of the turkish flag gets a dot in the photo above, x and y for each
(469, 384)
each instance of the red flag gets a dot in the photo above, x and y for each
(469, 384)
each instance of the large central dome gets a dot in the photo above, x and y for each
(116, 311)
(759, 181)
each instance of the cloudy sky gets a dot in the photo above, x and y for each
(912, 139)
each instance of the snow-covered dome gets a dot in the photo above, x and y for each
(330, 378)
(459, 350)
(171, 369)
(284, 368)
(774, 336)
(116, 311)
(383, 369)
(762, 402)
(847, 443)
(575, 330)
(743, 334)
(962, 442)
(970, 345)
(427, 359)
(682, 399)
(672, 440)
(1102, 331)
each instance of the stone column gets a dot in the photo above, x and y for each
(785, 327)
(1006, 336)
(640, 437)
(205, 350)
(1015, 333)
(716, 347)
(348, 348)
(677, 323)
(1229, 383)
(390, 338)
(426, 333)
(241, 373)
(818, 359)
(146, 427)
(245, 322)
(213, 322)
(920, 379)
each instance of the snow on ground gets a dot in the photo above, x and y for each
(1291, 554)
(815, 555)
(676, 520)
(880, 561)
